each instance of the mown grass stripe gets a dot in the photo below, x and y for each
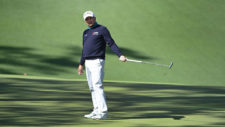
(64, 79)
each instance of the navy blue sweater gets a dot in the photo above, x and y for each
(94, 43)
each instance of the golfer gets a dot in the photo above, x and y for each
(95, 39)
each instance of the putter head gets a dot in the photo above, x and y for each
(171, 64)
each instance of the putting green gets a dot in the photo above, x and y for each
(44, 38)
(35, 101)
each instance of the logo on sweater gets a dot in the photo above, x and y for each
(95, 33)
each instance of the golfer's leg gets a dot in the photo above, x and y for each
(97, 80)
(91, 88)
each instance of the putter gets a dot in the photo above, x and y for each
(138, 61)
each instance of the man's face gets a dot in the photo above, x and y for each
(90, 21)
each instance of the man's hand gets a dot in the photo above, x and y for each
(123, 58)
(80, 70)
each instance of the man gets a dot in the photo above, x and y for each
(95, 39)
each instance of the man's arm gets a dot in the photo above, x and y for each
(80, 69)
(82, 61)
(110, 42)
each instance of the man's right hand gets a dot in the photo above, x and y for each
(80, 70)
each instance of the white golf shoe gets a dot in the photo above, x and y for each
(92, 114)
(101, 116)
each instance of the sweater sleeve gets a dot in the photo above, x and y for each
(82, 59)
(110, 42)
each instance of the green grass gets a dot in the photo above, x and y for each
(44, 38)
(36, 101)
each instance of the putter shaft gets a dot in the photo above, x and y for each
(144, 62)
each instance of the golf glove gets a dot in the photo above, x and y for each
(123, 58)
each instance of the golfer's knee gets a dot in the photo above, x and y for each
(91, 89)
(99, 86)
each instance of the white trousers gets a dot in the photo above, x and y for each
(95, 75)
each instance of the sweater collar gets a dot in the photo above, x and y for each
(92, 27)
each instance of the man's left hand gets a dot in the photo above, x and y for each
(123, 58)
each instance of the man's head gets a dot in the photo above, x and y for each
(89, 18)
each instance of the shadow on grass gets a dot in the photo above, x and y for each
(20, 60)
(175, 101)
(34, 102)
(27, 102)
(130, 53)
